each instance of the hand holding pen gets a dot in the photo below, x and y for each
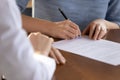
(74, 27)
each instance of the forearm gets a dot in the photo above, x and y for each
(36, 25)
(111, 25)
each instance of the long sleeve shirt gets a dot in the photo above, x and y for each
(17, 59)
(81, 12)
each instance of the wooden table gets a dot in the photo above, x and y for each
(82, 68)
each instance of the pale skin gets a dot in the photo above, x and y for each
(98, 28)
(42, 44)
(63, 29)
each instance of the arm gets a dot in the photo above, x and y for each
(36, 25)
(64, 29)
(98, 28)
(17, 60)
(42, 43)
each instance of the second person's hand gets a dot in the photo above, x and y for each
(55, 53)
(41, 43)
(65, 30)
(96, 29)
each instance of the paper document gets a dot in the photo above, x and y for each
(100, 50)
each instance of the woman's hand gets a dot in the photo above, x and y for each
(55, 53)
(41, 43)
(96, 29)
(65, 30)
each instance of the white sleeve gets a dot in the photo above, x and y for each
(17, 60)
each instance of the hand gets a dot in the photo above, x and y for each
(96, 29)
(41, 43)
(55, 53)
(65, 30)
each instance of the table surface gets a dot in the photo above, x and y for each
(82, 68)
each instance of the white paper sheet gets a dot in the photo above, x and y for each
(101, 50)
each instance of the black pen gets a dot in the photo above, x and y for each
(63, 13)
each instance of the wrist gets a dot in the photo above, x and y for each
(50, 29)
(111, 25)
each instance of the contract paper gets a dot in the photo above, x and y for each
(100, 50)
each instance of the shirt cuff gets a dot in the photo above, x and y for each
(48, 62)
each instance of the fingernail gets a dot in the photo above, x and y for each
(63, 61)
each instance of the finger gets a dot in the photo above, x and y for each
(74, 26)
(44, 44)
(53, 56)
(102, 34)
(59, 56)
(92, 30)
(70, 29)
(52, 40)
(96, 33)
(77, 28)
(73, 31)
(69, 35)
(42, 36)
(64, 36)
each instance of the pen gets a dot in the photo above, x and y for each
(65, 17)
(62, 13)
